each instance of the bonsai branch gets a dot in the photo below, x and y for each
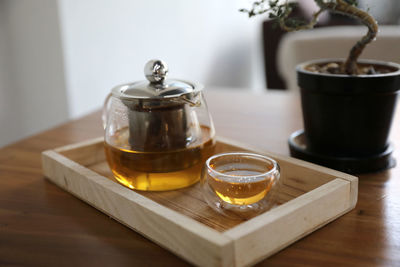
(281, 13)
(309, 25)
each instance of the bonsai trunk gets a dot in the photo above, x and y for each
(341, 7)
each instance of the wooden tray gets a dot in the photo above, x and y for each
(180, 221)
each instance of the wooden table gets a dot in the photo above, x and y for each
(41, 225)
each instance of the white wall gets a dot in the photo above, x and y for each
(108, 42)
(32, 86)
(384, 11)
(5, 95)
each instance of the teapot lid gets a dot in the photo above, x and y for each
(156, 86)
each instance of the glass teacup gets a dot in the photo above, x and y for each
(240, 185)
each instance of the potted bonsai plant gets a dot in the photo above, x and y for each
(347, 104)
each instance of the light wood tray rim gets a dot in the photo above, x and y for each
(228, 248)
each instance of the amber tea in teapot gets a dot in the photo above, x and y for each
(158, 134)
(158, 170)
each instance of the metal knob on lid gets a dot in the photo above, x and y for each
(156, 86)
(155, 71)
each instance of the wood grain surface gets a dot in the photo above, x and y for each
(41, 225)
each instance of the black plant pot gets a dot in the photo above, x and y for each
(347, 119)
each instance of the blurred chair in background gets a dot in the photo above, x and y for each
(333, 42)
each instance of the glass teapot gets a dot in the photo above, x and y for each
(158, 133)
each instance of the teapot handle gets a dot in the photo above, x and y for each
(104, 116)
